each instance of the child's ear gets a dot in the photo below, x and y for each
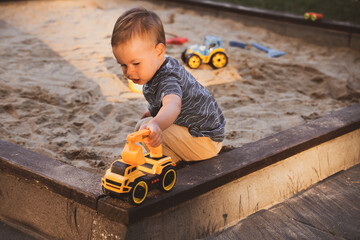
(160, 50)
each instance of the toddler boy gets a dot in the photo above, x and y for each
(182, 114)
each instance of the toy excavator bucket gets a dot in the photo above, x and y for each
(133, 154)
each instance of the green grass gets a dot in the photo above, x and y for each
(339, 10)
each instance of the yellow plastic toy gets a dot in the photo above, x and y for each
(211, 52)
(136, 174)
(136, 88)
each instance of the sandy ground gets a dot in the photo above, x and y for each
(62, 93)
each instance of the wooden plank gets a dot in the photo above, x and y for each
(64, 179)
(11, 233)
(332, 205)
(269, 225)
(328, 210)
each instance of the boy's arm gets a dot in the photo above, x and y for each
(170, 110)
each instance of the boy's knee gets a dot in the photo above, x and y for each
(168, 152)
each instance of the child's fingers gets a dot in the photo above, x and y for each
(154, 141)
(143, 126)
(155, 138)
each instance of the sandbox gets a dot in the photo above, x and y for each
(285, 152)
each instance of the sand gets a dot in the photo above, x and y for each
(63, 95)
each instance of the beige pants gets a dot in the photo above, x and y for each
(180, 145)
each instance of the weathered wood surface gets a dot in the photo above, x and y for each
(328, 210)
(10, 233)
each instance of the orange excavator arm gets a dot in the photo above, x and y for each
(133, 154)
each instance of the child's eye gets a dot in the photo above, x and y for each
(136, 64)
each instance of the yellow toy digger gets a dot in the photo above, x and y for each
(135, 174)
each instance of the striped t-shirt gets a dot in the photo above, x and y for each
(200, 112)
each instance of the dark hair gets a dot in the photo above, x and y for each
(138, 22)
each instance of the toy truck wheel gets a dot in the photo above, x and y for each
(314, 17)
(193, 61)
(219, 60)
(139, 192)
(168, 179)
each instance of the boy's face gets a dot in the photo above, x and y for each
(139, 59)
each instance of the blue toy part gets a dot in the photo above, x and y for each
(210, 43)
(270, 52)
(237, 44)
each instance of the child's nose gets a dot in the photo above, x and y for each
(129, 71)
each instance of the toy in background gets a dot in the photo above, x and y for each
(211, 52)
(270, 52)
(136, 88)
(237, 44)
(136, 174)
(313, 16)
(176, 40)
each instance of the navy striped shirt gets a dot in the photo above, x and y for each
(200, 112)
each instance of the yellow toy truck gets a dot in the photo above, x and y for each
(211, 51)
(137, 173)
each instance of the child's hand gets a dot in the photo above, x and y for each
(155, 136)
